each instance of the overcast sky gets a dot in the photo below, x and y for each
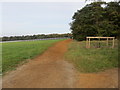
(28, 18)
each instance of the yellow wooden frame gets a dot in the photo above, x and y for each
(88, 40)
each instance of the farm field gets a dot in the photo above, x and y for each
(52, 70)
(90, 60)
(60, 45)
(13, 53)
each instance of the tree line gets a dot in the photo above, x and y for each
(96, 19)
(39, 36)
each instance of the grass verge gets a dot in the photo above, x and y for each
(92, 59)
(13, 53)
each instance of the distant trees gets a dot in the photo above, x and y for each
(40, 36)
(96, 19)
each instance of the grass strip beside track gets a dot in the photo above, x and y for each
(92, 59)
(13, 53)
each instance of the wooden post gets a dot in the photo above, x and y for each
(89, 42)
(113, 42)
(86, 42)
(107, 42)
(99, 43)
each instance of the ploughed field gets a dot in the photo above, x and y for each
(14, 53)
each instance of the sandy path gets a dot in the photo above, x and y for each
(106, 79)
(48, 70)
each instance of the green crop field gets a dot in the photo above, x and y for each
(92, 59)
(13, 53)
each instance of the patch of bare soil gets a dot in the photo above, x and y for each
(106, 79)
(50, 70)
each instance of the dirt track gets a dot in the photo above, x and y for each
(50, 70)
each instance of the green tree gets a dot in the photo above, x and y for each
(96, 19)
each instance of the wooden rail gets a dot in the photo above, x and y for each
(88, 40)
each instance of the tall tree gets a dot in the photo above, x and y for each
(95, 20)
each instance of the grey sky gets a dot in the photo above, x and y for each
(28, 18)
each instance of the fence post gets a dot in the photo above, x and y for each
(89, 42)
(113, 42)
(86, 42)
(107, 42)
